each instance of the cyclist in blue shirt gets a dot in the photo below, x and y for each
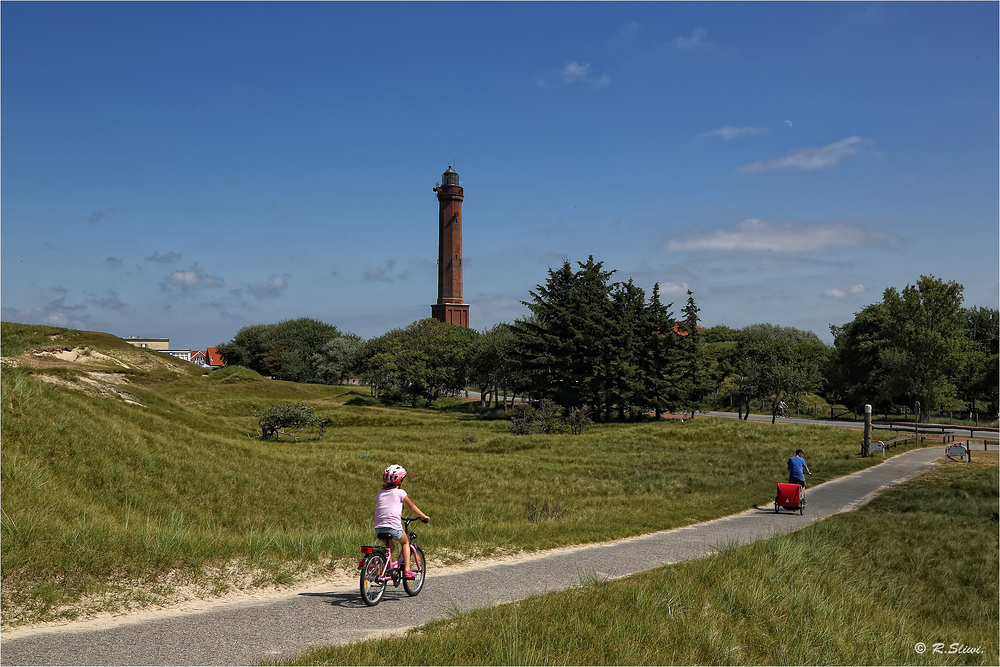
(796, 467)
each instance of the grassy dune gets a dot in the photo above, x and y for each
(916, 565)
(126, 473)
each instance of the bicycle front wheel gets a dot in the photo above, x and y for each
(372, 588)
(419, 568)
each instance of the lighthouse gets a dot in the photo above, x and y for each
(449, 307)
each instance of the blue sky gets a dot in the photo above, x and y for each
(186, 169)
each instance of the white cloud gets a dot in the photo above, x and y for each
(835, 293)
(673, 289)
(190, 279)
(273, 288)
(858, 289)
(728, 133)
(756, 235)
(808, 159)
(574, 71)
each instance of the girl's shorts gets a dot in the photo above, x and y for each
(392, 532)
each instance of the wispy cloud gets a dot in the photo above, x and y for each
(696, 40)
(109, 302)
(274, 287)
(169, 258)
(573, 73)
(385, 273)
(838, 293)
(754, 235)
(808, 159)
(113, 261)
(56, 313)
(190, 279)
(102, 214)
(728, 133)
(626, 34)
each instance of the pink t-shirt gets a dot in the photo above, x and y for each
(389, 508)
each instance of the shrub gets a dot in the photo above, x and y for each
(547, 418)
(279, 419)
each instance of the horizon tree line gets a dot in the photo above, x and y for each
(604, 347)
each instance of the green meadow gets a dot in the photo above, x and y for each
(909, 579)
(127, 473)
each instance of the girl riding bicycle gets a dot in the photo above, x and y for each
(389, 503)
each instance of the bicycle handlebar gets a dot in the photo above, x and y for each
(408, 519)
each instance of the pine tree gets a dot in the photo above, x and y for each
(660, 346)
(691, 381)
(563, 343)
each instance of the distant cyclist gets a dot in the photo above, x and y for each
(797, 469)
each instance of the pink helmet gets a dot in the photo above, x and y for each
(394, 474)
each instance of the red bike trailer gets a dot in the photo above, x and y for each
(790, 497)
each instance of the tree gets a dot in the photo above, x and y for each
(279, 419)
(563, 342)
(661, 345)
(423, 361)
(282, 350)
(926, 341)
(978, 380)
(690, 377)
(493, 366)
(625, 364)
(855, 374)
(775, 368)
(332, 363)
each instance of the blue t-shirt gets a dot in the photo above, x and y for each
(795, 467)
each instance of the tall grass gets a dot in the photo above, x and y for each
(917, 565)
(97, 491)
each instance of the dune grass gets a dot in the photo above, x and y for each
(916, 565)
(110, 503)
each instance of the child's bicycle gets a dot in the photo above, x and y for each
(377, 570)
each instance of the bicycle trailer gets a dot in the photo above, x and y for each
(789, 497)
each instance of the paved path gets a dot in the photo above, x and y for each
(246, 633)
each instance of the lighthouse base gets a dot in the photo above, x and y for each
(451, 313)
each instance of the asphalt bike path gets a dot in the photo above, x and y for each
(242, 633)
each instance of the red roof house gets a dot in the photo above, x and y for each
(214, 358)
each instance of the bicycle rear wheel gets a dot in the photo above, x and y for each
(372, 589)
(417, 567)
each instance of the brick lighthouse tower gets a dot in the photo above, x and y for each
(449, 307)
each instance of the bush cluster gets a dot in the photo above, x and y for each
(280, 419)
